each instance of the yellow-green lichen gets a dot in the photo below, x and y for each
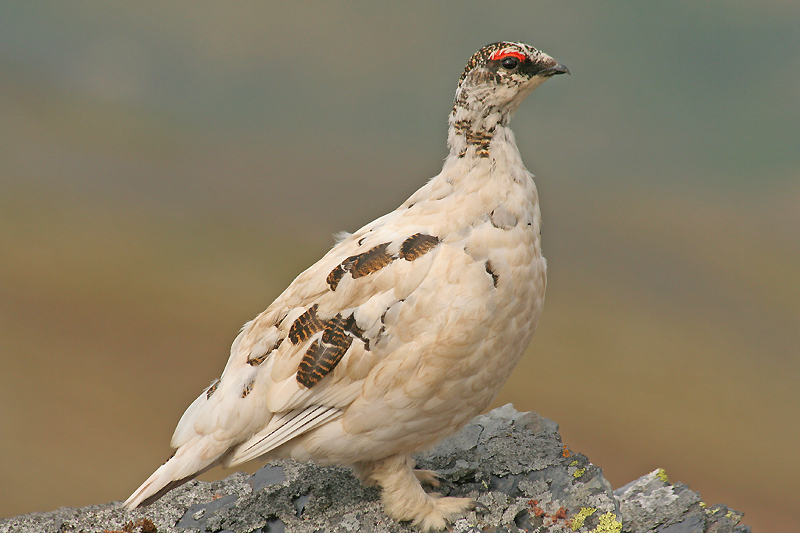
(608, 524)
(734, 516)
(573, 463)
(579, 472)
(662, 475)
(576, 522)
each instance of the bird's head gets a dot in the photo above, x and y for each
(501, 75)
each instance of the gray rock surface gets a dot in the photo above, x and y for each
(651, 503)
(513, 464)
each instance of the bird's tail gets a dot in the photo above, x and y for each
(188, 462)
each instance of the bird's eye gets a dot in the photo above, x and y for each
(509, 63)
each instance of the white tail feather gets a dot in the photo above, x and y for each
(189, 461)
(203, 452)
(281, 429)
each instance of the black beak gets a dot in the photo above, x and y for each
(552, 71)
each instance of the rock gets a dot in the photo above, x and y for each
(513, 464)
(651, 504)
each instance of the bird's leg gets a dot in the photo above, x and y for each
(362, 471)
(403, 497)
(428, 477)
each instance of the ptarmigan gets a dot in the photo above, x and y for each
(404, 331)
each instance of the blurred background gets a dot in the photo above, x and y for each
(166, 169)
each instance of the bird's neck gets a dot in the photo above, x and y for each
(484, 165)
(472, 132)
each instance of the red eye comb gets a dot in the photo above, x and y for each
(501, 54)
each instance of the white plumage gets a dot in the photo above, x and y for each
(404, 331)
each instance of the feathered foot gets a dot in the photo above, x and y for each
(428, 477)
(403, 497)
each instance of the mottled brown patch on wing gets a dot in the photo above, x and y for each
(248, 388)
(351, 327)
(324, 354)
(255, 361)
(305, 326)
(212, 389)
(281, 319)
(492, 273)
(418, 245)
(370, 261)
(335, 277)
(360, 265)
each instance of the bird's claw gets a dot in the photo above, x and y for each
(479, 507)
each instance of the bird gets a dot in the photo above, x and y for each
(404, 331)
